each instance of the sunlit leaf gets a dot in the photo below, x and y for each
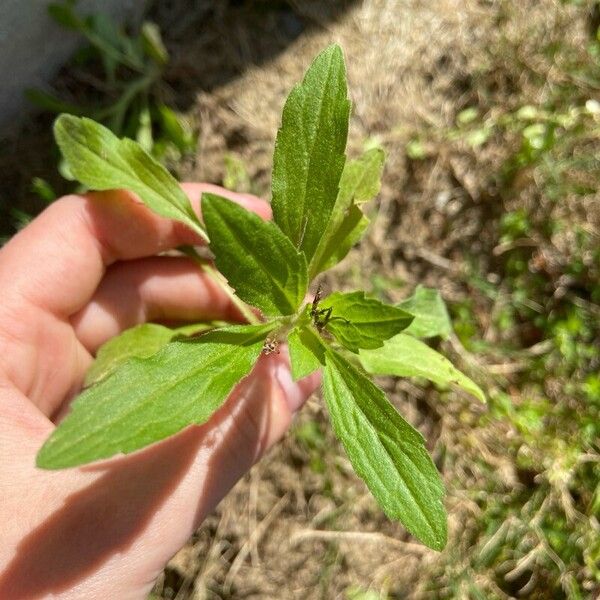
(149, 399)
(102, 161)
(405, 356)
(385, 451)
(309, 151)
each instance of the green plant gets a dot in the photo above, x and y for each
(132, 66)
(317, 198)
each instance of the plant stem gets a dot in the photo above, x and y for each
(215, 276)
(117, 110)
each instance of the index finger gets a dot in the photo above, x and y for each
(58, 260)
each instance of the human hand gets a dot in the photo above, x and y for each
(80, 273)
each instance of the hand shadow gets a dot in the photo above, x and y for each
(106, 517)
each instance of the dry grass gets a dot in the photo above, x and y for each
(301, 525)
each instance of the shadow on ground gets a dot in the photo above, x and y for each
(210, 43)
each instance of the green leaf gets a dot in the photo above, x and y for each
(360, 322)
(385, 451)
(336, 247)
(102, 161)
(360, 182)
(114, 47)
(349, 233)
(176, 129)
(431, 315)
(141, 341)
(361, 179)
(356, 593)
(405, 356)
(64, 15)
(302, 353)
(144, 136)
(309, 151)
(43, 190)
(51, 103)
(257, 259)
(147, 400)
(153, 43)
(235, 176)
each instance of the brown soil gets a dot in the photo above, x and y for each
(301, 525)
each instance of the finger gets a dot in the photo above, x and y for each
(57, 261)
(155, 498)
(248, 201)
(255, 417)
(51, 269)
(160, 288)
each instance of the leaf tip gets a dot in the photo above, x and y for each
(439, 542)
(44, 458)
(480, 395)
(62, 122)
(334, 49)
(331, 55)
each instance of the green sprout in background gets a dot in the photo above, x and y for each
(129, 87)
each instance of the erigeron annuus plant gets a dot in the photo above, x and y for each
(152, 381)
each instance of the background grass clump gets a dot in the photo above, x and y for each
(532, 310)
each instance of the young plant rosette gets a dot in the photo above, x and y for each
(151, 382)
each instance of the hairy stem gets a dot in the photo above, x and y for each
(209, 270)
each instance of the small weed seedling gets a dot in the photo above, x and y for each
(129, 90)
(151, 382)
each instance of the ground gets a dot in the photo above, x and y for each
(488, 112)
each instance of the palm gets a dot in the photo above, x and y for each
(78, 275)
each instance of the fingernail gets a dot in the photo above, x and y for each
(294, 395)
